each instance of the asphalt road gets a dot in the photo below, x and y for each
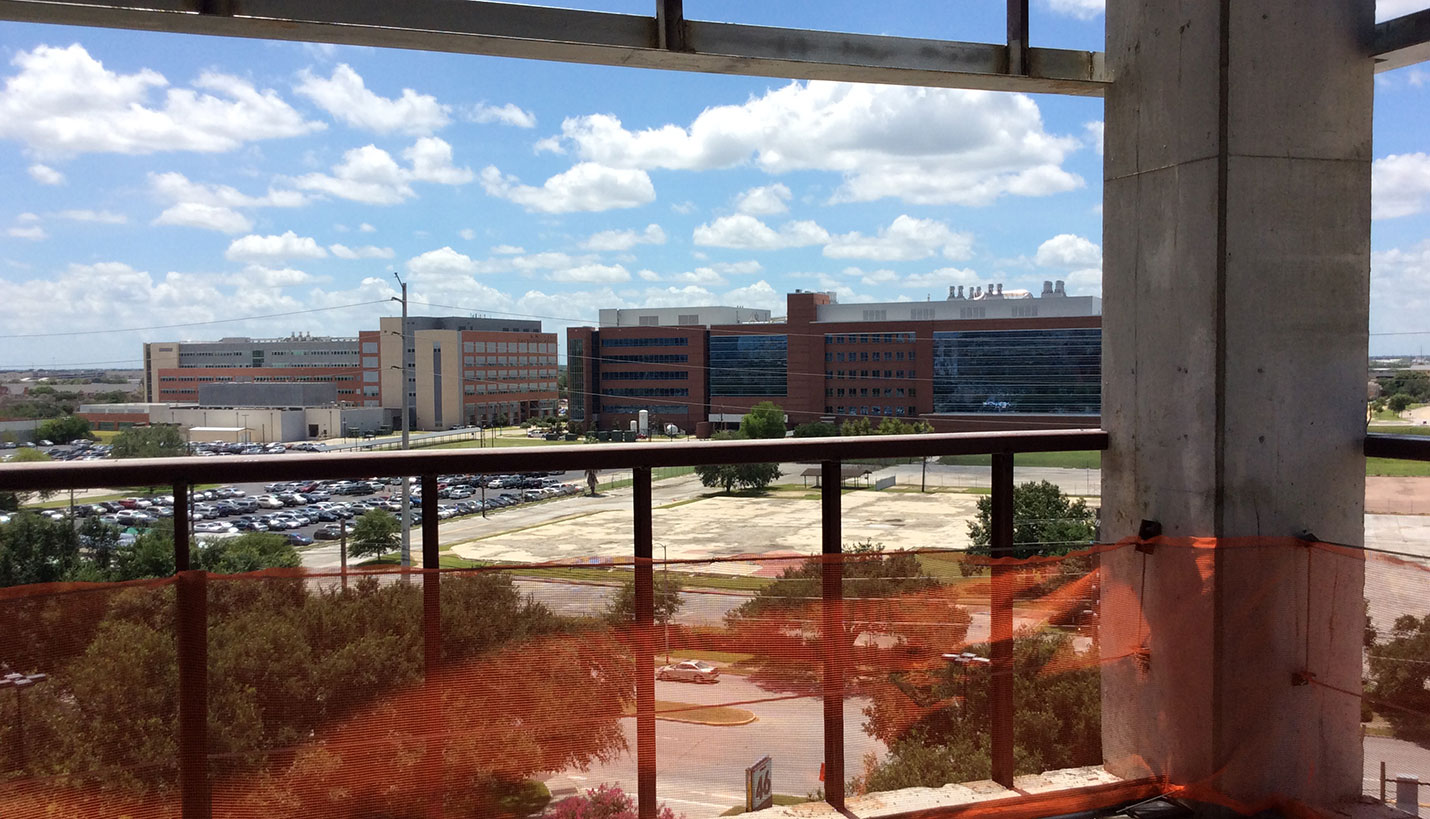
(700, 769)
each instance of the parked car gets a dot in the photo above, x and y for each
(299, 540)
(697, 671)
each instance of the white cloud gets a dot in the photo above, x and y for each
(683, 208)
(923, 145)
(587, 186)
(1086, 282)
(289, 245)
(1388, 9)
(745, 268)
(592, 273)
(939, 280)
(1095, 131)
(764, 200)
(649, 275)
(758, 295)
(46, 175)
(443, 261)
(346, 97)
(702, 276)
(467, 233)
(1400, 185)
(745, 232)
(256, 275)
(106, 217)
(207, 217)
(213, 207)
(32, 232)
(366, 228)
(905, 239)
(509, 114)
(370, 174)
(1068, 250)
(65, 102)
(1400, 290)
(1080, 9)
(364, 252)
(508, 250)
(618, 240)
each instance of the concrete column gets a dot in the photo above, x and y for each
(1236, 279)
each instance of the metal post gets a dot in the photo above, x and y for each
(20, 730)
(406, 433)
(343, 548)
(1018, 37)
(832, 575)
(645, 661)
(192, 648)
(670, 25)
(665, 569)
(432, 768)
(1001, 622)
(1382, 782)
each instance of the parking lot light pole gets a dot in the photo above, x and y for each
(406, 432)
(20, 682)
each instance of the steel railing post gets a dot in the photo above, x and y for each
(645, 658)
(433, 773)
(832, 576)
(192, 652)
(1001, 621)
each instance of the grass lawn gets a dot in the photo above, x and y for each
(1395, 468)
(699, 714)
(1402, 429)
(1080, 459)
(62, 499)
(595, 574)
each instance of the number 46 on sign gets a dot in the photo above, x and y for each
(759, 793)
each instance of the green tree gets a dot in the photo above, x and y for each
(898, 426)
(884, 592)
(729, 476)
(63, 430)
(621, 610)
(1057, 722)
(153, 441)
(1413, 383)
(1399, 672)
(34, 549)
(14, 500)
(1399, 402)
(249, 552)
(764, 420)
(816, 429)
(856, 426)
(375, 532)
(1045, 522)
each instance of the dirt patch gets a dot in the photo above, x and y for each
(1397, 496)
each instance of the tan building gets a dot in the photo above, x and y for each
(466, 370)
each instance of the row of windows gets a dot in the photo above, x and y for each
(749, 365)
(869, 374)
(576, 375)
(507, 361)
(864, 355)
(531, 386)
(1034, 371)
(650, 392)
(866, 409)
(653, 358)
(647, 375)
(508, 375)
(864, 392)
(869, 338)
(258, 379)
(508, 347)
(653, 409)
(676, 341)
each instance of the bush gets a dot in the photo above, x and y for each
(603, 802)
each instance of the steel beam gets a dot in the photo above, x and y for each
(1402, 41)
(1017, 36)
(1001, 622)
(832, 579)
(329, 465)
(645, 642)
(597, 38)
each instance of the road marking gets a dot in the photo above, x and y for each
(693, 802)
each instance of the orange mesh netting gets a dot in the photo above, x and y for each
(322, 701)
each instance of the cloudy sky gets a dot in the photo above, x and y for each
(165, 186)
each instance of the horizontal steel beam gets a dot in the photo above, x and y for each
(193, 470)
(1402, 41)
(1404, 447)
(598, 38)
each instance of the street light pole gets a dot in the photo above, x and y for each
(20, 682)
(406, 432)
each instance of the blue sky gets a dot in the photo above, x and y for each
(170, 180)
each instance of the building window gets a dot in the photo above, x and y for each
(649, 321)
(876, 315)
(688, 319)
(920, 314)
(749, 365)
(1039, 371)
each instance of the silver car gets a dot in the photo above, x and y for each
(697, 671)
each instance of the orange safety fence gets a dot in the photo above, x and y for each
(322, 701)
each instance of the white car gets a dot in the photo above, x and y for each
(697, 671)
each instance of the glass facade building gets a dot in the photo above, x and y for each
(749, 365)
(1033, 371)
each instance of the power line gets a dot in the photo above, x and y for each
(194, 323)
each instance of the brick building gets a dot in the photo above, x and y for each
(977, 359)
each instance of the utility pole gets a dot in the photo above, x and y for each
(406, 432)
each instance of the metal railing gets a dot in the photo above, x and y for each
(192, 599)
